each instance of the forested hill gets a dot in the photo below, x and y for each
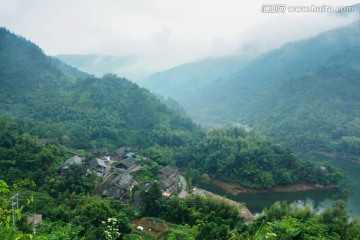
(24, 65)
(284, 90)
(44, 98)
(51, 99)
(185, 82)
(319, 109)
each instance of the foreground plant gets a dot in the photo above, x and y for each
(112, 229)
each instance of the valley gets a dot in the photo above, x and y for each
(65, 138)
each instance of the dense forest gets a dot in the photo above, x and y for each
(73, 210)
(234, 155)
(51, 111)
(303, 94)
(83, 113)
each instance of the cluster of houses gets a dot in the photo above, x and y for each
(115, 170)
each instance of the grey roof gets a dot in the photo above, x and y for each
(120, 151)
(122, 180)
(129, 162)
(105, 159)
(168, 171)
(167, 183)
(126, 163)
(74, 160)
(96, 162)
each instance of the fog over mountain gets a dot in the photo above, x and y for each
(140, 119)
(161, 34)
(304, 93)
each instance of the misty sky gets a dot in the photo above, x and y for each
(162, 33)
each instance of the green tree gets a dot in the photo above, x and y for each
(152, 201)
(205, 178)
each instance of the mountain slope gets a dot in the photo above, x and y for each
(226, 99)
(185, 83)
(305, 93)
(319, 109)
(48, 99)
(98, 64)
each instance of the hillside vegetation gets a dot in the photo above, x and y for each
(83, 113)
(51, 111)
(305, 93)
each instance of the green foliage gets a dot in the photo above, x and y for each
(205, 178)
(210, 218)
(58, 230)
(108, 111)
(304, 94)
(182, 232)
(282, 221)
(10, 216)
(26, 161)
(161, 155)
(234, 155)
(152, 200)
(48, 102)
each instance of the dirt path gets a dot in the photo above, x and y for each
(137, 168)
(183, 192)
(243, 211)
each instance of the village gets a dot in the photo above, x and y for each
(123, 174)
(120, 172)
(117, 169)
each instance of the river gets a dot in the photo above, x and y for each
(255, 202)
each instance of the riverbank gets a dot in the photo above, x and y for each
(243, 211)
(235, 189)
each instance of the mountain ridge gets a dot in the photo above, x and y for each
(248, 96)
(50, 100)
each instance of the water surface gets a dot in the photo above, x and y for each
(255, 202)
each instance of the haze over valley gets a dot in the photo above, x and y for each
(187, 120)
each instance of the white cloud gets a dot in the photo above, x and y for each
(164, 32)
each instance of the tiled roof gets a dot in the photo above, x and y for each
(168, 171)
(74, 160)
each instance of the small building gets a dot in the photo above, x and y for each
(98, 166)
(124, 152)
(34, 219)
(168, 184)
(106, 159)
(168, 172)
(119, 186)
(75, 160)
(126, 164)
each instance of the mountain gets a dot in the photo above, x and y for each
(185, 83)
(52, 99)
(92, 112)
(255, 91)
(99, 65)
(319, 109)
(30, 68)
